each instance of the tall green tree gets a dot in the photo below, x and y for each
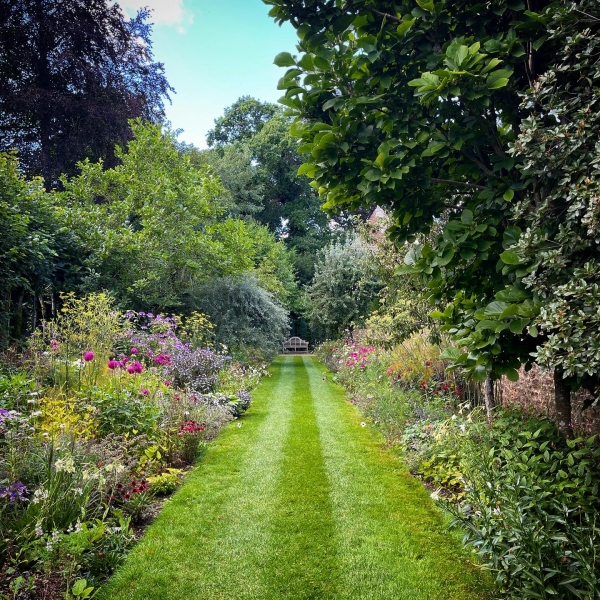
(40, 255)
(72, 74)
(240, 121)
(557, 250)
(257, 159)
(155, 225)
(413, 106)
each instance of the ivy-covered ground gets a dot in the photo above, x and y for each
(299, 499)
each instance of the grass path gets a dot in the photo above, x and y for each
(299, 502)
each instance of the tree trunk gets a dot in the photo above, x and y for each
(488, 394)
(562, 402)
(34, 316)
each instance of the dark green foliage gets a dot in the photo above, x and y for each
(257, 160)
(531, 507)
(72, 73)
(37, 251)
(244, 313)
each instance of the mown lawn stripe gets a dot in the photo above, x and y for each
(392, 541)
(211, 539)
(304, 554)
(298, 503)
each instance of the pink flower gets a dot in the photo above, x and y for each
(134, 351)
(162, 359)
(167, 383)
(135, 367)
(145, 392)
(54, 345)
(88, 356)
(150, 353)
(113, 364)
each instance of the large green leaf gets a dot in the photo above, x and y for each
(284, 59)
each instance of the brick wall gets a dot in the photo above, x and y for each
(535, 393)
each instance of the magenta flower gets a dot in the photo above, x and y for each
(134, 351)
(162, 359)
(167, 383)
(135, 367)
(88, 356)
(113, 364)
(145, 392)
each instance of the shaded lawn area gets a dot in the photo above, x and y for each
(299, 502)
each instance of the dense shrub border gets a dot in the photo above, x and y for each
(99, 421)
(526, 498)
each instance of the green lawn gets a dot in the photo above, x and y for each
(299, 502)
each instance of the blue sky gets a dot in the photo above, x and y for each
(215, 51)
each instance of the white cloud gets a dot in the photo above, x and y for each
(164, 12)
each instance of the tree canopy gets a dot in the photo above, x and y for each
(417, 107)
(72, 74)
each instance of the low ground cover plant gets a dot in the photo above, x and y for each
(525, 497)
(101, 418)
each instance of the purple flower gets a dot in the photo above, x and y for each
(113, 364)
(15, 491)
(88, 356)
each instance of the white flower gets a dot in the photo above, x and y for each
(39, 495)
(38, 529)
(78, 491)
(62, 426)
(239, 424)
(363, 424)
(31, 401)
(65, 464)
(463, 427)
(435, 495)
(36, 413)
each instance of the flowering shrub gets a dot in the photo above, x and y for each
(197, 370)
(107, 410)
(526, 498)
(133, 497)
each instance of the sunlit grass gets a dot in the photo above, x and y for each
(298, 502)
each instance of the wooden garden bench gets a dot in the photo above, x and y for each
(295, 344)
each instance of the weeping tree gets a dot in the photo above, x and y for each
(244, 314)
